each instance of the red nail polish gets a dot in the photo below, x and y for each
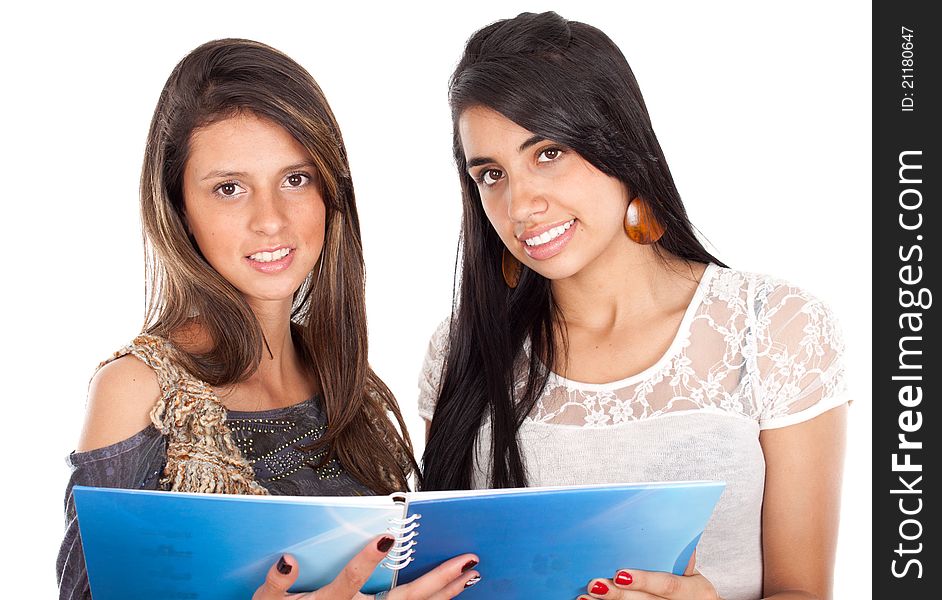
(599, 588)
(385, 544)
(623, 578)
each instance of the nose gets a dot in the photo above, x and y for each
(268, 213)
(527, 198)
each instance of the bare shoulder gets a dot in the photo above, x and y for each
(120, 398)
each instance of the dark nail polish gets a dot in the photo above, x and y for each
(623, 578)
(472, 581)
(469, 565)
(385, 544)
(599, 588)
(283, 567)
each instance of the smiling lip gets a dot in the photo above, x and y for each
(550, 248)
(531, 233)
(270, 249)
(275, 266)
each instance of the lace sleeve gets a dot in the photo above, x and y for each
(432, 367)
(798, 356)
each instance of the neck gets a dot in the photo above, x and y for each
(621, 287)
(279, 356)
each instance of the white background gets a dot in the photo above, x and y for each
(763, 112)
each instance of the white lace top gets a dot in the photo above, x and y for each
(751, 353)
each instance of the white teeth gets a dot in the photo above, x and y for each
(548, 235)
(270, 256)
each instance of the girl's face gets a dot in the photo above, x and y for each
(552, 209)
(254, 206)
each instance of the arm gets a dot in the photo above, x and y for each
(116, 449)
(800, 511)
(798, 368)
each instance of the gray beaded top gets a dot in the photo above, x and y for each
(272, 441)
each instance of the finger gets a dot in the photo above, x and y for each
(464, 581)
(349, 581)
(280, 577)
(608, 589)
(664, 585)
(603, 588)
(623, 595)
(447, 580)
(692, 564)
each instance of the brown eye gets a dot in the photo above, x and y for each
(228, 189)
(296, 179)
(549, 154)
(491, 176)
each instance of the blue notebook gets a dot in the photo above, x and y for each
(533, 542)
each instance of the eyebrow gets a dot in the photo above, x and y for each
(530, 141)
(225, 174)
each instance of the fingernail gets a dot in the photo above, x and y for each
(469, 565)
(385, 544)
(599, 588)
(472, 581)
(283, 567)
(623, 578)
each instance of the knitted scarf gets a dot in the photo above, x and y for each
(201, 454)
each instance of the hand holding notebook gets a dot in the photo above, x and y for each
(445, 581)
(654, 584)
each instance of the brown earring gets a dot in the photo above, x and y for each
(641, 225)
(511, 268)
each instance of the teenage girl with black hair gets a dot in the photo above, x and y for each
(594, 339)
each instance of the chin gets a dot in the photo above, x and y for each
(270, 295)
(555, 273)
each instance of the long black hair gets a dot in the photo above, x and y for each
(568, 82)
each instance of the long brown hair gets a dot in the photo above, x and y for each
(215, 81)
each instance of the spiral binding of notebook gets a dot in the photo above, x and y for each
(404, 532)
